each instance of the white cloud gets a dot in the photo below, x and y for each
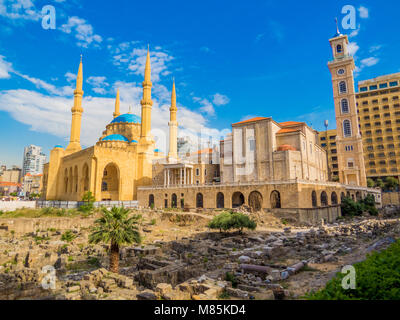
(83, 32)
(353, 48)
(206, 106)
(99, 84)
(364, 12)
(129, 55)
(70, 77)
(19, 10)
(369, 62)
(375, 48)
(5, 68)
(220, 99)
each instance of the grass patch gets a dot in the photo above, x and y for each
(377, 278)
(68, 236)
(41, 213)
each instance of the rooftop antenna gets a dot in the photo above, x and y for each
(337, 27)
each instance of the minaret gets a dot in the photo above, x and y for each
(349, 140)
(117, 102)
(146, 102)
(75, 140)
(173, 127)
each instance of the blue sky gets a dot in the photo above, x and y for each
(231, 60)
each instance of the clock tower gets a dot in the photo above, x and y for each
(348, 140)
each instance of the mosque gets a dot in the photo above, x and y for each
(113, 168)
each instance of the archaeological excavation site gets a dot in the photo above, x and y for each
(49, 254)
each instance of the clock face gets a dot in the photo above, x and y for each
(341, 72)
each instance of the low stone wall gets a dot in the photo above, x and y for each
(27, 225)
(14, 205)
(77, 204)
(389, 198)
(311, 216)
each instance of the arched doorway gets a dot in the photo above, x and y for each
(237, 200)
(342, 196)
(110, 183)
(324, 199)
(358, 196)
(314, 199)
(255, 201)
(199, 200)
(174, 201)
(275, 200)
(220, 200)
(151, 201)
(334, 198)
(85, 178)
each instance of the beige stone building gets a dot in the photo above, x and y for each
(32, 184)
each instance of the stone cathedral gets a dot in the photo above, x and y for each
(113, 168)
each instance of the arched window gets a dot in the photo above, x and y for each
(275, 200)
(347, 128)
(342, 87)
(334, 198)
(220, 200)
(324, 199)
(151, 201)
(174, 201)
(314, 199)
(345, 106)
(339, 48)
(199, 200)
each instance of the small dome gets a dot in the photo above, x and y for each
(134, 141)
(115, 137)
(127, 118)
(286, 147)
(157, 150)
(58, 146)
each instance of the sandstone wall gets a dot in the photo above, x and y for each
(14, 205)
(390, 198)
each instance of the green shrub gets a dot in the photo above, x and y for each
(377, 278)
(352, 208)
(68, 236)
(232, 279)
(89, 201)
(230, 220)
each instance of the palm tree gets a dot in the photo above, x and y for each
(117, 228)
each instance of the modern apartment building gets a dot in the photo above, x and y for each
(327, 141)
(378, 108)
(34, 160)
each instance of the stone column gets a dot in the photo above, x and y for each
(184, 175)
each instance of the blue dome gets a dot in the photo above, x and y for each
(134, 141)
(59, 146)
(157, 150)
(127, 118)
(115, 137)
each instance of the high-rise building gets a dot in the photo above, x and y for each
(349, 142)
(34, 160)
(379, 115)
(327, 140)
(378, 108)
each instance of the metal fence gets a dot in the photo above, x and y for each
(77, 204)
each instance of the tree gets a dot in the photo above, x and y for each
(370, 183)
(379, 183)
(89, 200)
(391, 183)
(229, 220)
(117, 228)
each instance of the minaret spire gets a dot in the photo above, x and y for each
(337, 28)
(146, 102)
(173, 127)
(75, 139)
(117, 104)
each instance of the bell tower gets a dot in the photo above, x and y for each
(348, 140)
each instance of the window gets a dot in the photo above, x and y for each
(350, 164)
(345, 106)
(347, 128)
(373, 87)
(197, 172)
(341, 72)
(205, 172)
(363, 89)
(252, 145)
(339, 49)
(342, 87)
(383, 85)
(394, 83)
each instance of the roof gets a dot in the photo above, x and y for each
(157, 150)
(286, 147)
(127, 118)
(9, 184)
(59, 146)
(287, 130)
(290, 123)
(251, 120)
(115, 137)
(208, 150)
